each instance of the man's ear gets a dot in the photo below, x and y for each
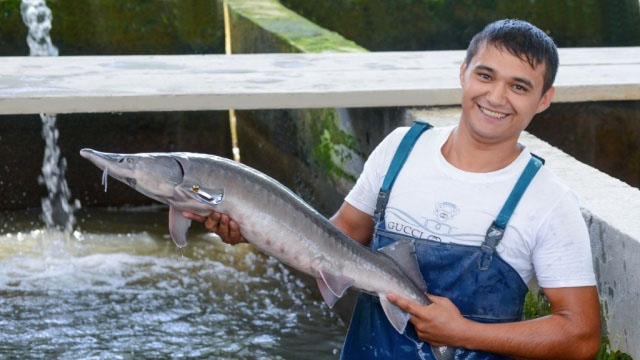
(545, 101)
(463, 68)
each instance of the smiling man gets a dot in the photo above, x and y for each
(485, 216)
(508, 218)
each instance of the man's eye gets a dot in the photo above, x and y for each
(520, 88)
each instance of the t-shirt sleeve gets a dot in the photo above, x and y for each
(364, 194)
(562, 255)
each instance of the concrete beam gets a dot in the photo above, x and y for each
(271, 81)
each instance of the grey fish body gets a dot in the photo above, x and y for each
(274, 220)
(278, 223)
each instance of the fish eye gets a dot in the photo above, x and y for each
(129, 160)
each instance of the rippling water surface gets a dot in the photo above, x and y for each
(119, 289)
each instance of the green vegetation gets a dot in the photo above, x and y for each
(120, 27)
(383, 25)
(605, 352)
(536, 305)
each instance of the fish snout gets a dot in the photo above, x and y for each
(98, 157)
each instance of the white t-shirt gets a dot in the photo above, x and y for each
(432, 199)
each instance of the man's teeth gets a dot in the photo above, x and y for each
(492, 113)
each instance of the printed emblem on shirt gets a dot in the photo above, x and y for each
(446, 211)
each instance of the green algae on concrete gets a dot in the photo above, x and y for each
(321, 139)
(286, 26)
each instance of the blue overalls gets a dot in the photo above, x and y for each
(480, 283)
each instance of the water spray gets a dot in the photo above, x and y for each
(57, 211)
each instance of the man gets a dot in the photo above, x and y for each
(484, 215)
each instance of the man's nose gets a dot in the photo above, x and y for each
(497, 94)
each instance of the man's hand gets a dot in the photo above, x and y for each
(221, 224)
(438, 323)
(572, 331)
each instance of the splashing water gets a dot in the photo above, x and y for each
(37, 16)
(57, 211)
(124, 292)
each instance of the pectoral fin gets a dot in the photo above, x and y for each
(178, 226)
(337, 284)
(397, 317)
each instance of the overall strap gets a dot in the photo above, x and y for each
(497, 228)
(400, 157)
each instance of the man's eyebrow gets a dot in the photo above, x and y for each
(485, 68)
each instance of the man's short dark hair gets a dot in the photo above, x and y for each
(522, 40)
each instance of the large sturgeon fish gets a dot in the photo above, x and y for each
(274, 220)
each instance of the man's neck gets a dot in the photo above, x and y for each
(468, 154)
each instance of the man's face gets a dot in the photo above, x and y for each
(500, 95)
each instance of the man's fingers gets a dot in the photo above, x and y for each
(211, 223)
(223, 228)
(221, 224)
(405, 304)
(234, 233)
(193, 216)
(436, 298)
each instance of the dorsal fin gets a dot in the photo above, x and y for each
(403, 253)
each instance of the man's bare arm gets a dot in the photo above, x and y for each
(572, 331)
(356, 224)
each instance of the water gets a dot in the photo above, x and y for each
(57, 209)
(37, 16)
(125, 291)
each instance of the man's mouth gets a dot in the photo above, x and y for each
(493, 114)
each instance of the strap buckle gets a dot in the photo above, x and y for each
(491, 241)
(381, 204)
(493, 236)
